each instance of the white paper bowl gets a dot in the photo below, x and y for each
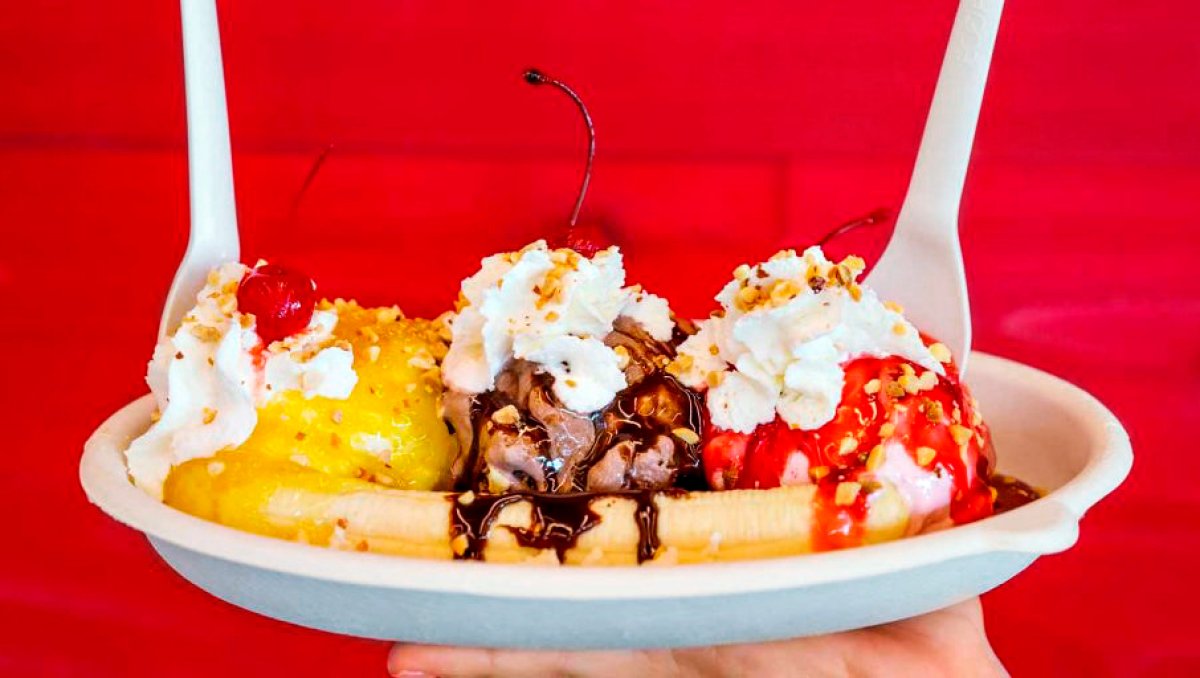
(1047, 432)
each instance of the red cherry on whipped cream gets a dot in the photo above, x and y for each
(586, 239)
(280, 299)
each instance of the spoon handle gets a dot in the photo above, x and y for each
(923, 265)
(935, 189)
(213, 238)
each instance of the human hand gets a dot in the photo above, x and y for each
(949, 642)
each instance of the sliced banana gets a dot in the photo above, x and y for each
(691, 527)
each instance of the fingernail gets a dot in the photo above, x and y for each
(410, 673)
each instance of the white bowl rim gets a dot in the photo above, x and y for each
(1048, 525)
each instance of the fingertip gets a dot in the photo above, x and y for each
(405, 661)
(411, 660)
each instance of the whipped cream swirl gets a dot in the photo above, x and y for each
(552, 308)
(786, 327)
(211, 375)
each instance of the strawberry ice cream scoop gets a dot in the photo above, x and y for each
(896, 423)
(809, 378)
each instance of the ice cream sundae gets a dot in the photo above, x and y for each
(561, 414)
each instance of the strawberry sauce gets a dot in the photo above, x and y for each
(888, 406)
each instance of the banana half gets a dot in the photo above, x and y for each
(284, 500)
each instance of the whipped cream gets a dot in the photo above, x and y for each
(211, 375)
(786, 327)
(553, 308)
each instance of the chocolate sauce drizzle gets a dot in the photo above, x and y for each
(1011, 493)
(558, 520)
(556, 523)
(616, 423)
(471, 522)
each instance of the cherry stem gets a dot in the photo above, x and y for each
(536, 77)
(875, 218)
(308, 180)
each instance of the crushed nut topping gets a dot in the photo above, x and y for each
(422, 360)
(940, 352)
(847, 493)
(925, 455)
(687, 435)
(933, 410)
(928, 380)
(961, 434)
(875, 459)
(506, 416)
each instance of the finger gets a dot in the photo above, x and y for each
(954, 635)
(456, 662)
(969, 611)
(920, 646)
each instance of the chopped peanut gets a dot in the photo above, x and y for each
(847, 493)
(925, 455)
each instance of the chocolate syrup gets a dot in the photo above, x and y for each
(618, 422)
(556, 523)
(623, 421)
(472, 522)
(558, 520)
(1011, 493)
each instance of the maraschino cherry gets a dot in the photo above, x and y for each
(585, 239)
(281, 300)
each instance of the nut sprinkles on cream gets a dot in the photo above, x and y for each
(785, 328)
(551, 308)
(211, 374)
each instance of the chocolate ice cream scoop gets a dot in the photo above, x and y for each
(519, 438)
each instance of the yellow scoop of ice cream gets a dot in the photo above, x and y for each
(389, 432)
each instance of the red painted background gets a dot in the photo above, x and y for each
(725, 130)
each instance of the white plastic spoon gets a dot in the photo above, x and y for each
(213, 239)
(922, 267)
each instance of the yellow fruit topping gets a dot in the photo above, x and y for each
(389, 432)
(237, 488)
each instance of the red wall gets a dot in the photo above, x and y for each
(725, 130)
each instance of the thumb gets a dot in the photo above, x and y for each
(455, 662)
